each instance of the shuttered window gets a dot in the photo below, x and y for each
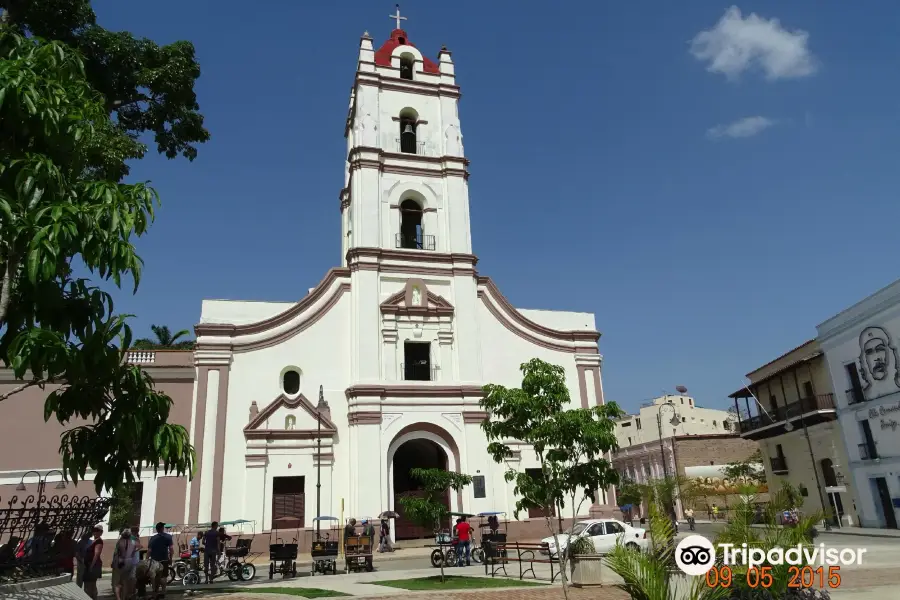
(288, 502)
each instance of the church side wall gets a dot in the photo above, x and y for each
(321, 354)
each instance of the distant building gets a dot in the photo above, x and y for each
(696, 442)
(785, 394)
(643, 427)
(860, 346)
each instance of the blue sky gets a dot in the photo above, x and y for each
(711, 199)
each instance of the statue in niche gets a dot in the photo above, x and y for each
(416, 296)
(290, 422)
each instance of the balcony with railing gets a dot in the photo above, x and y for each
(814, 410)
(409, 146)
(779, 465)
(415, 241)
(418, 371)
(867, 452)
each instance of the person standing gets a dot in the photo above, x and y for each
(349, 531)
(384, 542)
(123, 565)
(195, 550)
(715, 512)
(210, 551)
(689, 515)
(80, 551)
(160, 549)
(93, 565)
(463, 532)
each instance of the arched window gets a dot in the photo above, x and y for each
(290, 382)
(290, 422)
(408, 142)
(407, 62)
(410, 224)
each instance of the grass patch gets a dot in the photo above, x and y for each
(453, 583)
(289, 591)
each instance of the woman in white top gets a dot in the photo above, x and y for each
(123, 565)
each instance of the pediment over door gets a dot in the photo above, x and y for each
(416, 299)
(289, 418)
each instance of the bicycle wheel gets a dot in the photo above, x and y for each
(450, 558)
(246, 572)
(478, 554)
(180, 569)
(171, 574)
(191, 578)
(437, 558)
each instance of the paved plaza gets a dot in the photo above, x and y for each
(876, 579)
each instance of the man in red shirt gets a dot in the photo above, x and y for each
(464, 533)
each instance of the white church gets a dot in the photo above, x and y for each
(400, 337)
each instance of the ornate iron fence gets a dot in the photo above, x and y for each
(38, 534)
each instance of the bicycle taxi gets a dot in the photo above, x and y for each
(358, 551)
(325, 547)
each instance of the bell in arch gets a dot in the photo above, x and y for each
(408, 129)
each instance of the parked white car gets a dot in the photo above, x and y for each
(604, 533)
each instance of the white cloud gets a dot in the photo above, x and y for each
(737, 44)
(742, 128)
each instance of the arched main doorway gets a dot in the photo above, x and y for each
(419, 453)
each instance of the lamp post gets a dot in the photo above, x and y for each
(674, 421)
(319, 463)
(812, 457)
(42, 482)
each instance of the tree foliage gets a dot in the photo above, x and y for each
(121, 509)
(430, 511)
(165, 340)
(60, 202)
(146, 88)
(571, 445)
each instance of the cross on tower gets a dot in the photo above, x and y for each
(397, 17)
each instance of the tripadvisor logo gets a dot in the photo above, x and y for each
(696, 555)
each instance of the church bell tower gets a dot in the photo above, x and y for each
(405, 186)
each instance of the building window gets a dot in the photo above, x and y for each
(682, 400)
(626, 424)
(417, 361)
(411, 234)
(290, 382)
(715, 424)
(288, 502)
(684, 419)
(407, 61)
(773, 404)
(638, 423)
(690, 402)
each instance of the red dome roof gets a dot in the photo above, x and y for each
(399, 38)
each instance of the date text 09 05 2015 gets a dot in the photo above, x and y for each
(761, 577)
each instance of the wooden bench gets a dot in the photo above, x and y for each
(497, 555)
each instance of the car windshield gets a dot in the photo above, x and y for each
(579, 527)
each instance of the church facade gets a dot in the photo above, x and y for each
(383, 362)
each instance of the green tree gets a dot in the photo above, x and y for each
(571, 445)
(121, 509)
(430, 511)
(146, 88)
(751, 468)
(628, 492)
(61, 203)
(165, 340)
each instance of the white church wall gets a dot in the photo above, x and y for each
(504, 351)
(427, 109)
(320, 353)
(560, 319)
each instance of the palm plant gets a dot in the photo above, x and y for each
(165, 340)
(652, 575)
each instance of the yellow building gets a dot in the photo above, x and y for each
(788, 408)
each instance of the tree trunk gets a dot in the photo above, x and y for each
(560, 556)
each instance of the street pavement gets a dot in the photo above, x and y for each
(877, 578)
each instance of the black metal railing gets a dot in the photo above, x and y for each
(779, 464)
(415, 242)
(867, 452)
(38, 534)
(855, 396)
(417, 372)
(791, 411)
